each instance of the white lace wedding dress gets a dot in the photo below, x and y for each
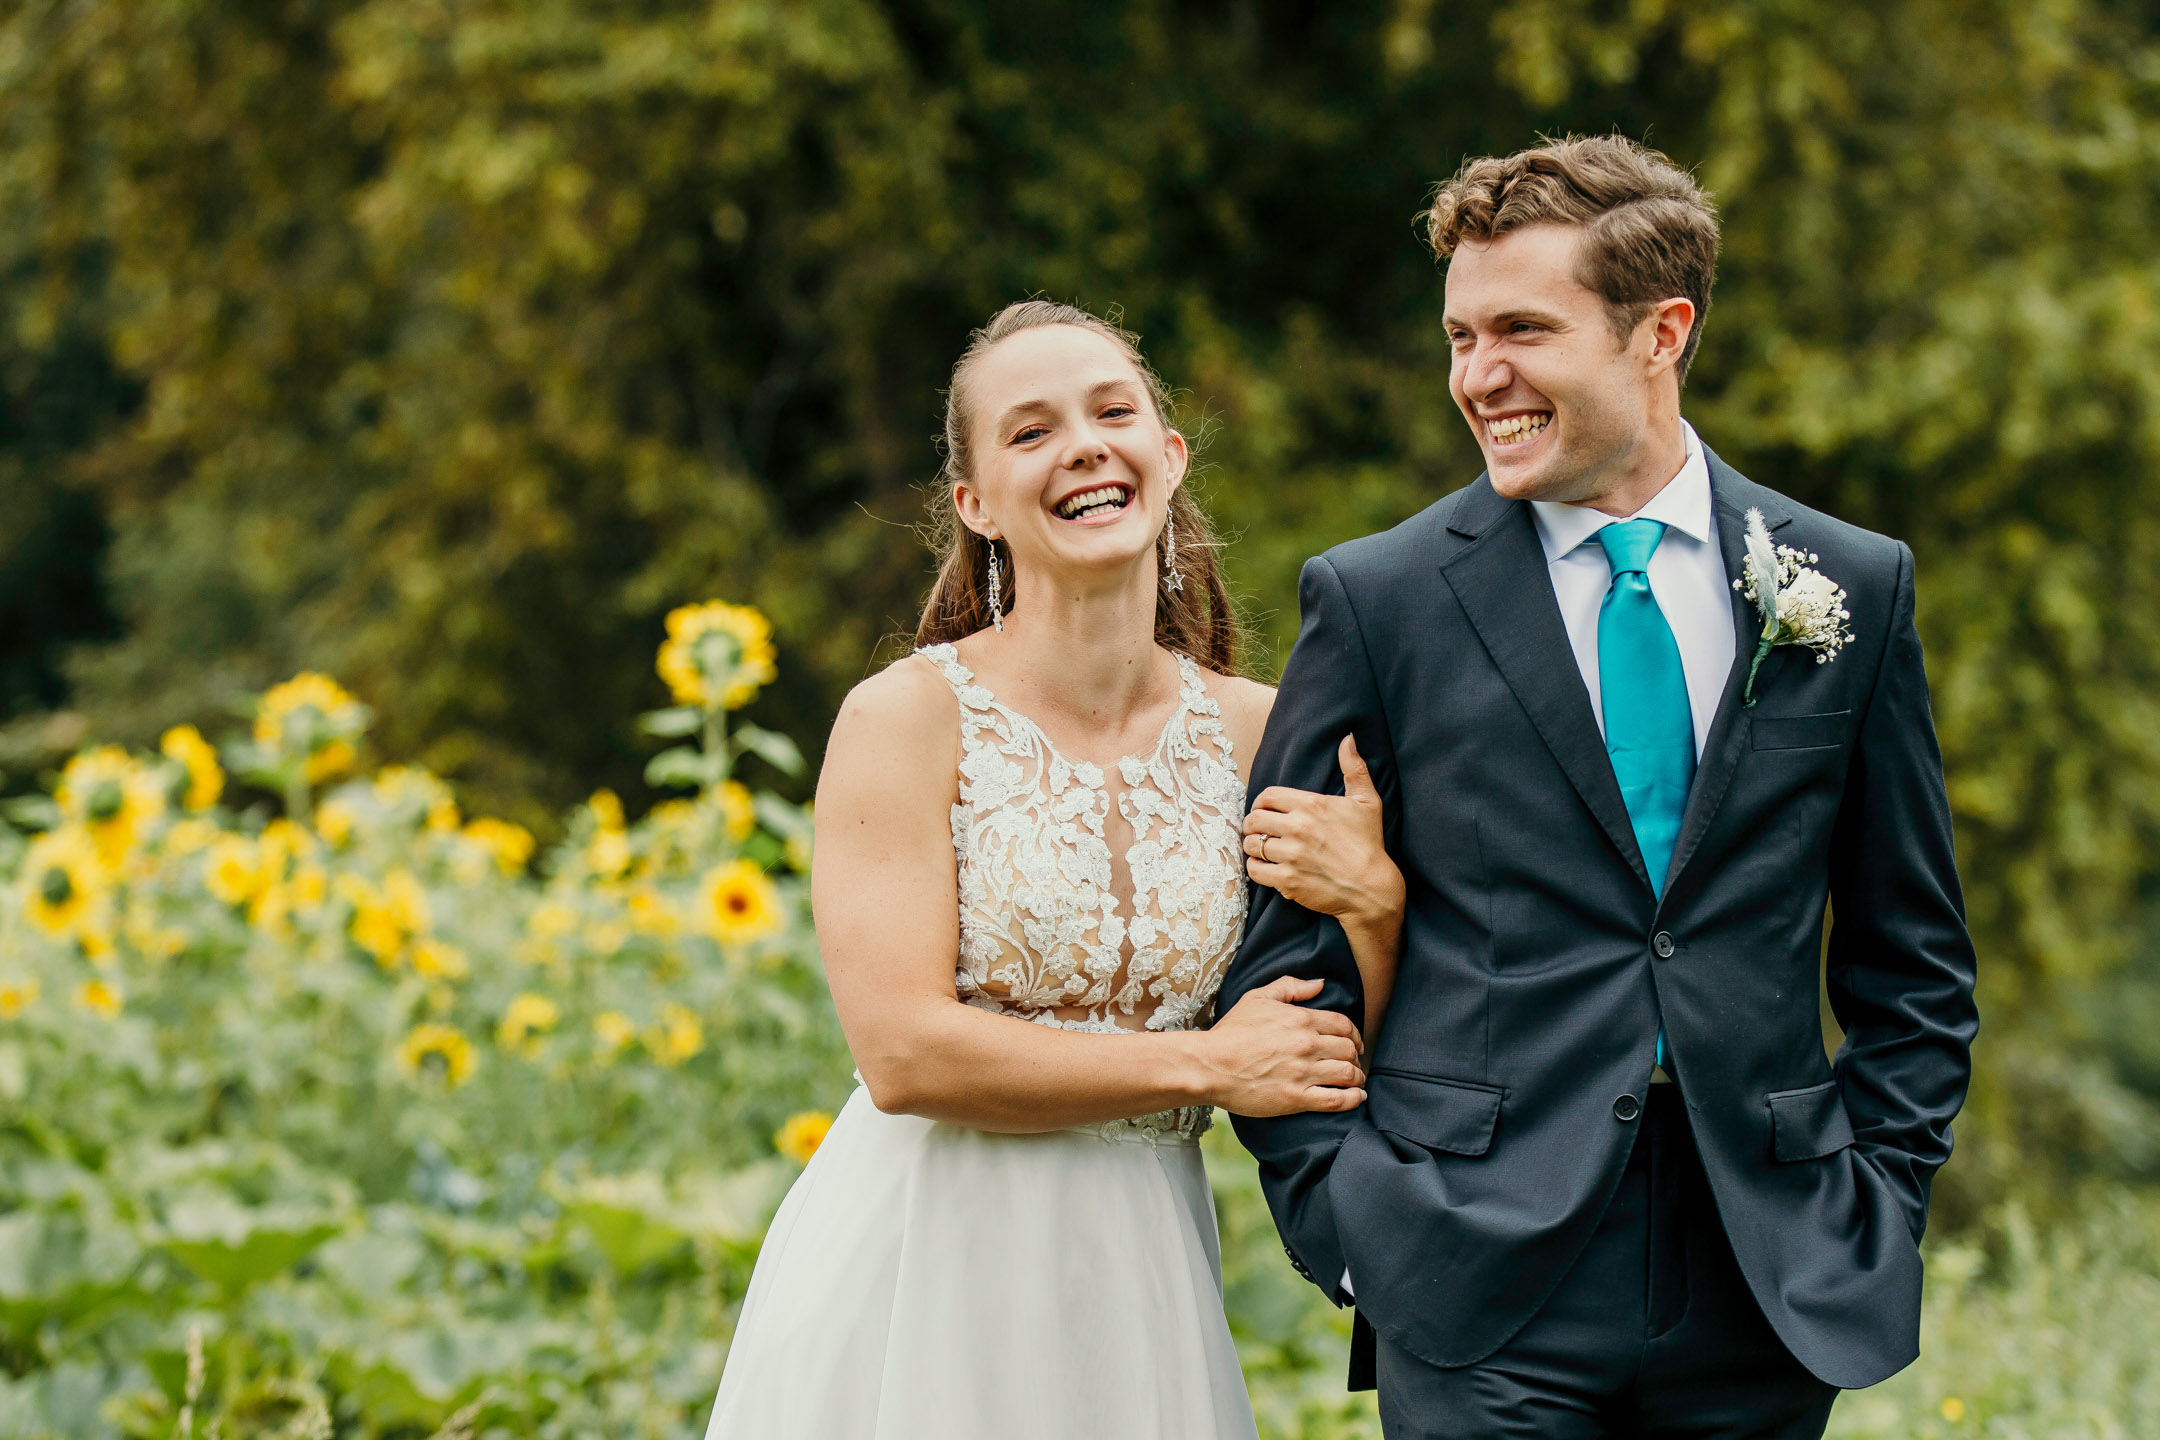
(926, 1280)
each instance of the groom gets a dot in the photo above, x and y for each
(1606, 1181)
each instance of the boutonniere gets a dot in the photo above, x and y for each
(1798, 605)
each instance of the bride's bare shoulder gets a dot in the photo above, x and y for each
(1245, 706)
(905, 715)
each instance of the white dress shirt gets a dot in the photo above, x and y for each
(1687, 578)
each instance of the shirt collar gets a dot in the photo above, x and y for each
(1683, 505)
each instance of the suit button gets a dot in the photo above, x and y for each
(1626, 1108)
(1662, 943)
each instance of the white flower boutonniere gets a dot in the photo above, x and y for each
(1799, 606)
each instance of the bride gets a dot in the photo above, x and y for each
(1029, 877)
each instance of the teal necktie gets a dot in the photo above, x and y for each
(1649, 729)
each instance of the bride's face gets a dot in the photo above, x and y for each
(1072, 465)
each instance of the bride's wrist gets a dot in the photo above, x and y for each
(1192, 1074)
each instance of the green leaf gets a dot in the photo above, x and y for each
(679, 766)
(234, 1246)
(773, 748)
(675, 720)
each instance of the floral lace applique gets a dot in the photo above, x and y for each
(1041, 928)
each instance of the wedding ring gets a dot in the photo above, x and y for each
(1263, 851)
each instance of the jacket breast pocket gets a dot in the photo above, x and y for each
(1798, 732)
(1808, 1124)
(1451, 1115)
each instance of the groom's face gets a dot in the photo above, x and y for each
(1559, 404)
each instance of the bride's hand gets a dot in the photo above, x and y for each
(1272, 1056)
(1326, 852)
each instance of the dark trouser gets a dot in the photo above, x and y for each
(1653, 1333)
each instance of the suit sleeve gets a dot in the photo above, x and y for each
(1327, 692)
(1900, 964)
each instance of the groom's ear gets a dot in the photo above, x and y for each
(1671, 322)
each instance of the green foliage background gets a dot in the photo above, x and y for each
(445, 344)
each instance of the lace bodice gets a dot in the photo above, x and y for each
(1044, 934)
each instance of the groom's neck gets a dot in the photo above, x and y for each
(1632, 478)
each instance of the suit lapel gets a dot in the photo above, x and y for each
(1502, 585)
(1732, 495)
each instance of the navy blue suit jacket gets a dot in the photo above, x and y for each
(1538, 963)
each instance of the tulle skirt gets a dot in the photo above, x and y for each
(924, 1281)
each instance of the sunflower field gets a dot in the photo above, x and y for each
(328, 1109)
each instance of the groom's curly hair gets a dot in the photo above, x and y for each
(1652, 231)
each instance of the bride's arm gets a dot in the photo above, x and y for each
(886, 895)
(1328, 853)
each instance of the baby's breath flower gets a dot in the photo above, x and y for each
(738, 904)
(800, 1137)
(185, 746)
(437, 1049)
(717, 656)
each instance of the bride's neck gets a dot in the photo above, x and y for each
(1086, 652)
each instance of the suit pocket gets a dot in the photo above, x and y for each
(1450, 1115)
(1798, 732)
(1807, 1124)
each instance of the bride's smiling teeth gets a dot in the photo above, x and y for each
(1102, 500)
(1516, 428)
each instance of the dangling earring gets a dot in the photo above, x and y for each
(1171, 577)
(997, 609)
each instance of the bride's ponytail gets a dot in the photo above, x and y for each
(1196, 620)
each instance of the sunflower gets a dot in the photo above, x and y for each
(334, 821)
(185, 746)
(738, 811)
(800, 1137)
(527, 1018)
(111, 797)
(510, 845)
(313, 719)
(437, 960)
(17, 996)
(185, 837)
(233, 870)
(438, 1049)
(612, 1030)
(717, 656)
(678, 1036)
(61, 877)
(738, 904)
(101, 998)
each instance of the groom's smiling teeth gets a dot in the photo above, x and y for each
(1086, 505)
(1516, 428)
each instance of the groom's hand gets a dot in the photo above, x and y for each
(1272, 1056)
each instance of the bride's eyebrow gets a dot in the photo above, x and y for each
(1012, 414)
